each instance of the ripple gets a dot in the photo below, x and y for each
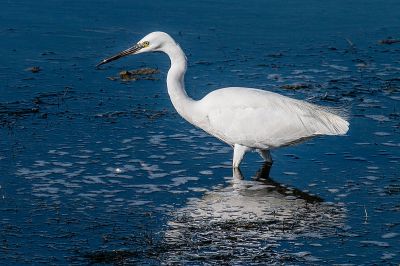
(177, 181)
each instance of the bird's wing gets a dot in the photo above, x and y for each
(262, 119)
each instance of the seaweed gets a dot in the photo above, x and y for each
(136, 74)
(34, 69)
(10, 112)
(389, 41)
(295, 86)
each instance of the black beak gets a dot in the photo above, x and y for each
(128, 51)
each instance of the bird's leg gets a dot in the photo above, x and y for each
(237, 174)
(263, 172)
(238, 154)
(266, 155)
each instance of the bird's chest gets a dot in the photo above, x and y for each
(211, 125)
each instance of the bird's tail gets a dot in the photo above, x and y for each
(334, 119)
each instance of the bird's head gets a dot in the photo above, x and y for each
(152, 42)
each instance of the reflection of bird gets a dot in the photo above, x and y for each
(247, 119)
(252, 214)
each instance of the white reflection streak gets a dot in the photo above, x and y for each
(256, 210)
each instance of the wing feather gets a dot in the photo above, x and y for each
(262, 119)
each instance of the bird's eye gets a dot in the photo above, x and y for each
(145, 44)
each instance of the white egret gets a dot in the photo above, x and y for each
(245, 118)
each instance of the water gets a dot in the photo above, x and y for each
(101, 171)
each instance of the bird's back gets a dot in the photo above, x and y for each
(262, 119)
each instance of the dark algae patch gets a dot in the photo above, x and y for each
(113, 257)
(34, 69)
(295, 86)
(389, 41)
(137, 74)
(41, 105)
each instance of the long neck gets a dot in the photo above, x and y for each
(175, 82)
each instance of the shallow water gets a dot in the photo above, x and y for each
(101, 171)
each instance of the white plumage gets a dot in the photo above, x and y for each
(244, 118)
(262, 119)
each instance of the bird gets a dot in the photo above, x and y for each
(247, 119)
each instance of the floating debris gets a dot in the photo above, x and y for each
(275, 55)
(352, 47)
(206, 63)
(34, 69)
(389, 41)
(375, 243)
(137, 74)
(295, 86)
(111, 114)
(138, 112)
(41, 103)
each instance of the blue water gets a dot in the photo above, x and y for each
(101, 171)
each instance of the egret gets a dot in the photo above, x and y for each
(245, 118)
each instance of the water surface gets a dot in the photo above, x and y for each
(101, 171)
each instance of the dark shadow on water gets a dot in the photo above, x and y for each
(262, 176)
